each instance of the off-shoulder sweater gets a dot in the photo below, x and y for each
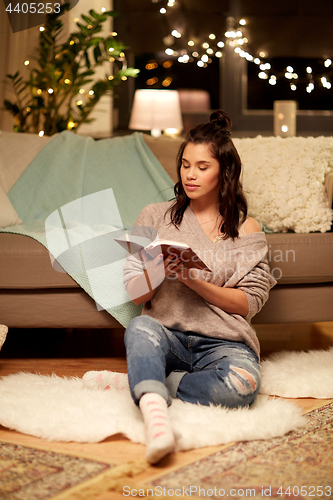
(240, 263)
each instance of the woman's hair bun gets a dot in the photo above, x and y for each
(222, 118)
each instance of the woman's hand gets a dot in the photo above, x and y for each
(158, 269)
(231, 300)
(187, 277)
(142, 288)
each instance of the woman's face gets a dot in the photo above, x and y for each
(200, 173)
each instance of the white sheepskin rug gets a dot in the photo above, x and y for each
(298, 374)
(63, 409)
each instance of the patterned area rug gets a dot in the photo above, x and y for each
(297, 465)
(27, 473)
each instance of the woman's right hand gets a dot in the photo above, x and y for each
(158, 269)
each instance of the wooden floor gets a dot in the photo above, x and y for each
(72, 353)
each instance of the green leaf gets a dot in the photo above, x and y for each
(97, 53)
(94, 14)
(87, 19)
(87, 73)
(84, 30)
(95, 41)
(129, 72)
(87, 60)
(111, 13)
(83, 82)
(13, 108)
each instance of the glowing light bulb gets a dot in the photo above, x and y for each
(103, 9)
(262, 54)
(284, 128)
(163, 10)
(212, 36)
(220, 45)
(41, 133)
(50, 91)
(26, 63)
(293, 86)
(327, 63)
(190, 43)
(169, 52)
(204, 58)
(42, 28)
(256, 60)
(263, 75)
(309, 69)
(242, 22)
(200, 64)
(290, 69)
(205, 45)
(218, 54)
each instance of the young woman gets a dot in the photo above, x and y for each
(194, 340)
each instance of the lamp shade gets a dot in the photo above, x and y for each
(156, 110)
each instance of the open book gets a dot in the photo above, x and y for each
(134, 244)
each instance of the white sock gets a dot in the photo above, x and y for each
(105, 379)
(160, 438)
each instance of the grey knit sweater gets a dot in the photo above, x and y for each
(239, 263)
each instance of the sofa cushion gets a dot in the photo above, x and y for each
(284, 180)
(294, 259)
(25, 263)
(8, 214)
(16, 152)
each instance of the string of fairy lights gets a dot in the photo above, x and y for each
(212, 45)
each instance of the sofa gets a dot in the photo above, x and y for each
(34, 294)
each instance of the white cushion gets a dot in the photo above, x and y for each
(16, 152)
(284, 181)
(8, 214)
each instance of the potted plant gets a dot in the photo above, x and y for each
(54, 98)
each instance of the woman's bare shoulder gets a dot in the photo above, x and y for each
(251, 226)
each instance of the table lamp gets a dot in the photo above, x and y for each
(156, 110)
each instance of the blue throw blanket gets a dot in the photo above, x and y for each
(77, 195)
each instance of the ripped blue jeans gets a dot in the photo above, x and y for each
(191, 367)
